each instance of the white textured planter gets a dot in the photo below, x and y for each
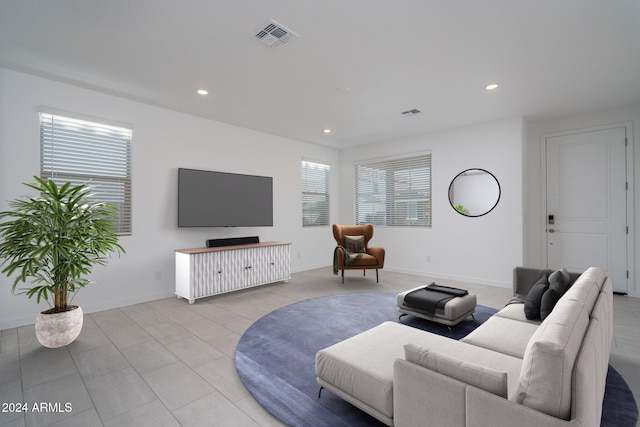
(59, 329)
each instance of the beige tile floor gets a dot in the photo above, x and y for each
(168, 363)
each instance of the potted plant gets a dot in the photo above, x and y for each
(52, 241)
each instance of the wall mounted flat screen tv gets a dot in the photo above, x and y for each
(221, 199)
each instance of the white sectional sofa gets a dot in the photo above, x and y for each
(510, 371)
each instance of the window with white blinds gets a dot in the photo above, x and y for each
(394, 192)
(315, 193)
(97, 154)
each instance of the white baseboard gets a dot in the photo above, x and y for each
(435, 275)
(458, 278)
(89, 308)
(309, 267)
(19, 321)
(123, 302)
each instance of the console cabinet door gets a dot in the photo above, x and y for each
(232, 267)
(275, 264)
(250, 267)
(206, 277)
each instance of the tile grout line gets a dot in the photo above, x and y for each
(133, 368)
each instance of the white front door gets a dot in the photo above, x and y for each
(586, 219)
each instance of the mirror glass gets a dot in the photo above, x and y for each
(474, 192)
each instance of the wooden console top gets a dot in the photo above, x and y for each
(229, 248)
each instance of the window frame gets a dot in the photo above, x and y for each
(394, 191)
(87, 150)
(314, 194)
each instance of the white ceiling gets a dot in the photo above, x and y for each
(550, 57)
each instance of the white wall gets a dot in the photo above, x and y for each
(163, 141)
(535, 236)
(480, 250)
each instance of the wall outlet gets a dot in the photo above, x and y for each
(158, 275)
(428, 258)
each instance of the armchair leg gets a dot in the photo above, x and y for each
(364, 273)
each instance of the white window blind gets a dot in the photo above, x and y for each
(315, 193)
(97, 154)
(394, 192)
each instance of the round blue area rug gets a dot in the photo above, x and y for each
(275, 358)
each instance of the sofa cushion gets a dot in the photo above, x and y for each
(534, 298)
(473, 374)
(605, 316)
(365, 259)
(362, 366)
(515, 311)
(545, 379)
(503, 335)
(587, 287)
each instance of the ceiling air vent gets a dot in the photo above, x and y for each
(412, 112)
(274, 35)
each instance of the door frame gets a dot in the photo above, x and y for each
(630, 195)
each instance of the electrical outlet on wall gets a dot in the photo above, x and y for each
(158, 275)
(428, 258)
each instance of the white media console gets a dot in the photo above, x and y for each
(203, 272)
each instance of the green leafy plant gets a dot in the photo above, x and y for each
(461, 209)
(53, 240)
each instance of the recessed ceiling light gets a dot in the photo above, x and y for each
(327, 131)
(343, 90)
(491, 86)
(202, 92)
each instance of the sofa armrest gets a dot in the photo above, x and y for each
(486, 409)
(421, 394)
(524, 278)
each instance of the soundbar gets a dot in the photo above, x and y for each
(232, 241)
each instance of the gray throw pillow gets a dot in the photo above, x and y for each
(354, 243)
(549, 300)
(534, 298)
(558, 285)
(559, 280)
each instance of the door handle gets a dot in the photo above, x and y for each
(551, 230)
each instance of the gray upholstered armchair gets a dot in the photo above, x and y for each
(354, 239)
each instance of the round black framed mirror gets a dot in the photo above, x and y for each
(474, 192)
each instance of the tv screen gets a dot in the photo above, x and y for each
(221, 199)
